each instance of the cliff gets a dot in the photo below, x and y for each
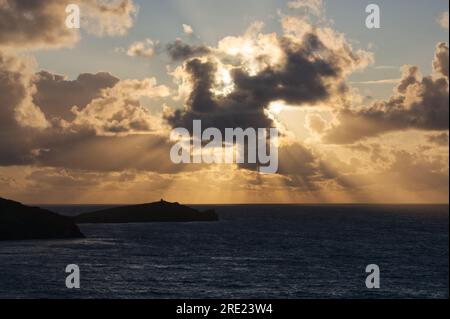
(20, 222)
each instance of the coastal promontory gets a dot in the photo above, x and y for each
(20, 222)
(161, 211)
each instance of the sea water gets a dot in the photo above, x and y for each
(255, 251)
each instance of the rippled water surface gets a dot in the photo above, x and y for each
(253, 252)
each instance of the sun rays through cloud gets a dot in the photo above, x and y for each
(362, 116)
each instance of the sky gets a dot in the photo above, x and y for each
(86, 115)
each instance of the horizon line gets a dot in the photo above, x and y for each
(240, 204)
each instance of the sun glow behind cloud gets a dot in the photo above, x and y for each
(338, 143)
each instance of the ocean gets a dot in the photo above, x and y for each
(255, 251)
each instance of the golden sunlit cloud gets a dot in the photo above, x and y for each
(97, 138)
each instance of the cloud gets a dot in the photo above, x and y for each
(20, 118)
(297, 159)
(98, 101)
(96, 131)
(406, 176)
(37, 24)
(63, 178)
(86, 150)
(375, 150)
(108, 127)
(420, 172)
(34, 24)
(439, 139)
(443, 20)
(145, 49)
(179, 51)
(118, 110)
(314, 7)
(56, 95)
(441, 60)
(234, 86)
(187, 29)
(300, 168)
(16, 89)
(315, 123)
(111, 17)
(420, 103)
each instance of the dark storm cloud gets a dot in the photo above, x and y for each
(179, 51)
(239, 109)
(203, 76)
(421, 103)
(299, 81)
(310, 73)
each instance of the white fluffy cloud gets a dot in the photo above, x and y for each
(119, 111)
(16, 91)
(145, 49)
